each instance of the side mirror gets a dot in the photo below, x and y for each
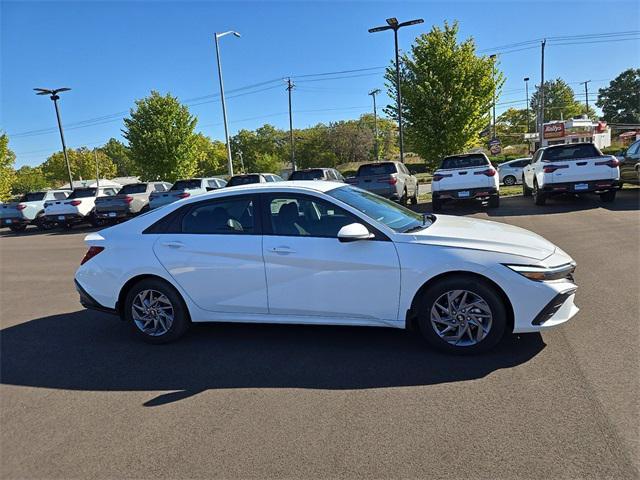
(354, 232)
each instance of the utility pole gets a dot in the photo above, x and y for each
(55, 97)
(373, 94)
(526, 89)
(224, 105)
(586, 94)
(290, 86)
(392, 24)
(541, 106)
(493, 76)
(95, 154)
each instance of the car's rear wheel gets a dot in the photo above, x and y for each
(436, 204)
(609, 196)
(414, 199)
(462, 315)
(526, 191)
(494, 201)
(509, 180)
(156, 311)
(41, 223)
(17, 228)
(539, 197)
(405, 198)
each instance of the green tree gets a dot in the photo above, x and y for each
(211, 156)
(83, 166)
(620, 101)
(512, 125)
(559, 101)
(161, 138)
(120, 156)
(7, 174)
(29, 179)
(253, 145)
(447, 91)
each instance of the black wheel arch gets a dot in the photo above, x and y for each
(412, 317)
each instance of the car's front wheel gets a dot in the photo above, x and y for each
(526, 191)
(155, 311)
(608, 197)
(509, 180)
(462, 315)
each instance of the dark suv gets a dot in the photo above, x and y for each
(328, 174)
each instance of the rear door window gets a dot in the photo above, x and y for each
(243, 180)
(233, 216)
(33, 197)
(83, 193)
(315, 174)
(464, 161)
(187, 184)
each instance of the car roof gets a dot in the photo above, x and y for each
(309, 185)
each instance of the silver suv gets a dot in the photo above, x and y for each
(391, 180)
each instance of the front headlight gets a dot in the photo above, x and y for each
(543, 274)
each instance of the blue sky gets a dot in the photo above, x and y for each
(111, 53)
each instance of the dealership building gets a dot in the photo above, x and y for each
(574, 130)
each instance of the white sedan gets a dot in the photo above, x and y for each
(325, 253)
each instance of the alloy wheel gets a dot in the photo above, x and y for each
(152, 312)
(461, 318)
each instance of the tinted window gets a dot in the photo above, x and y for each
(522, 163)
(159, 187)
(464, 161)
(232, 216)
(307, 175)
(33, 197)
(380, 209)
(83, 193)
(302, 216)
(570, 152)
(134, 188)
(243, 180)
(376, 169)
(186, 185)
(633, 149)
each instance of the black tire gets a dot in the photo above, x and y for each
(436, 204)
(476, 286)
(18, 228)
(414, 199)
(494, 201)
(526, 191)
(509, 180)
(67, 226)
(181, 320)
(95, 221)
(41, 224)
(608, 197)
(405, 198)
(539, 197)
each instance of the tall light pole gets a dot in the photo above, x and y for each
(541, 95)
(392, 24)
(493, 75)
(586, 95)
(373, 94)
(224, 105)
(526, 89)
(53, 95)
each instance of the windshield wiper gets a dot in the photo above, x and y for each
(414, 229)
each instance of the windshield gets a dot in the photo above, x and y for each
(570, 152)
(306, 175)
(83, 193)
(376, 169)
(243, 180)
(186, 184)
(464, 161)
(33, 197)
(385, 211)
(133, 188)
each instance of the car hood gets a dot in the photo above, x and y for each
(463, 232)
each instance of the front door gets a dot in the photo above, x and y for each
(311, 273)
(217, 256)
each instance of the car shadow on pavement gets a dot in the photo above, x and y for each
(91, 351)
(626, 200)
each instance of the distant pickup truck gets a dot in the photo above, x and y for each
(131, 200)
(29, 210)
(391, 180)
(188, 187)
(574, 168)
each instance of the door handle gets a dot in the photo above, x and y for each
(283, 249)
(173, 244)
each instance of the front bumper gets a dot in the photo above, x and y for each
(482, 193)
(589, 186)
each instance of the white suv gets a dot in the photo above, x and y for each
(465, 177)
(574, 168)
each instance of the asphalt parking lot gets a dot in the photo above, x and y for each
(81, 399)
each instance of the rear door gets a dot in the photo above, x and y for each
(629, 165)
(215, 255)
(311, 273)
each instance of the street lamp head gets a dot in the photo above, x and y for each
(236, 34)
(493, 56)
(54, 92)
(230, 32)
(380, 29)
(375, 91)
(411, 22)
(392, 22)
(526, 79)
